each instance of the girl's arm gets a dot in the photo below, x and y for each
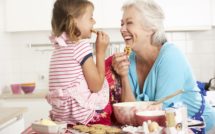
(95, 73)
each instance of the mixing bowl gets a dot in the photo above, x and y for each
(124, 112)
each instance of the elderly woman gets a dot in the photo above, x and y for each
(156, 68)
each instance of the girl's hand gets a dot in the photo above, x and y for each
(120, 64)
(102, 42)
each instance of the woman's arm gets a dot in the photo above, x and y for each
(95, 73)
(127, 95)
(121, 64)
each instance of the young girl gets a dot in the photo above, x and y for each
(78, 90)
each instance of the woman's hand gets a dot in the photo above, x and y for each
(120, 64)
(102, 42)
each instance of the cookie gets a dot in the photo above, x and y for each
(127, 50)
(113, 130)
(98, 131)
(98, 126)
(94, 31)
(82, 128)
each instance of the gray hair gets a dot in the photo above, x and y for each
(152, 16)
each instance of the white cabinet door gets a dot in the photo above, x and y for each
(37, 108)
(97, 12)
(108, 13)
(213, 12)
(179, 14)
(28, 15)
(112, 13)
(14, 126)
(186, 14)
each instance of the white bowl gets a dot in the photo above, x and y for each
(125, 111)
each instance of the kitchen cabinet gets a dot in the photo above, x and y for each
(28, 15)
(38, 107)
(213, 12)
(180, 15)
(108, 13)
(11, 120)
(186, 14)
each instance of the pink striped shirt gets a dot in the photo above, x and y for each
(71, 100)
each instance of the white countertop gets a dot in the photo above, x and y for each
(8, 113)
(210, 97)
(23, 96)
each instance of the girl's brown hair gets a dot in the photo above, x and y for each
(63, 15)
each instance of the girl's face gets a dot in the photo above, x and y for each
(85, 23)
(135, 34)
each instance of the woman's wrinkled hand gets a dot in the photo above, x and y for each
(120, 64)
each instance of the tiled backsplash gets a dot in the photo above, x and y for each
(19, 63)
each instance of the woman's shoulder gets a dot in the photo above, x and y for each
(170, 48)
(171, 55)
(171, 51)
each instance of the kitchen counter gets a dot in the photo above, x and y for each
(23, 96)
(8, 113)
(31, 102)
(11, 120)
(210, 97)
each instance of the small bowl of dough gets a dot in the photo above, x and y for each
(124, 112)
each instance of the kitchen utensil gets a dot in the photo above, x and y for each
(168, 97)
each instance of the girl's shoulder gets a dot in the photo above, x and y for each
(82, 42)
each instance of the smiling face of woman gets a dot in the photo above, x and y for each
(133, 30)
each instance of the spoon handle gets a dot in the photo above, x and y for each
(168, 97)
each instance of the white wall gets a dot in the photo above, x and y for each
(19, 63)
(199, 47)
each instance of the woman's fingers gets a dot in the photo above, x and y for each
(120, 63)
(118, 58)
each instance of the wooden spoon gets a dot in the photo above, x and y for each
(168, 97)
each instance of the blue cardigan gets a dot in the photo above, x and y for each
(170, 72)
